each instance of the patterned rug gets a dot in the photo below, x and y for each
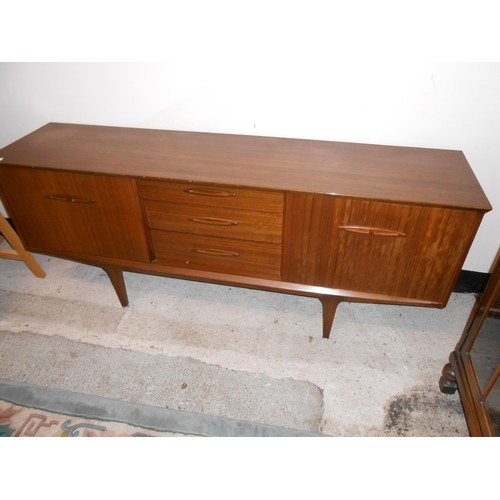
(34, 411)
(23, 421)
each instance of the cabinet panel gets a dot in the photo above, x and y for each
(78, 214)
(376, 247)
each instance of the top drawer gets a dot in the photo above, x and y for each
(209, 195)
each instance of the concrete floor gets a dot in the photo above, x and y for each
(244, 354)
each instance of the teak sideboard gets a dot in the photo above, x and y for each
(332, 220)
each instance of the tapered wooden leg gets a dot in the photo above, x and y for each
(116, 277)
(330, 304)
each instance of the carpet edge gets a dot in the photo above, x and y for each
(151, 417)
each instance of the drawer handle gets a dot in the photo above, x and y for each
(213, 221)
(216, 252)
(68, 198)
(374, 231)
(209, 192)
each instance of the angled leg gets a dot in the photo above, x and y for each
(116, 276)
(330, 304)
(18, 251)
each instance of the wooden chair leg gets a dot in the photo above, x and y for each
(18, 252)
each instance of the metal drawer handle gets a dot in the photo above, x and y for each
(68, 198)
(209, 192)
(213, 221)
(374, 231)
(216, 252)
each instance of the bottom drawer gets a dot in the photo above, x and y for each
(219, 255)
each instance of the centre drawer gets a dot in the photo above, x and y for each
(215, 221)
(219, 255)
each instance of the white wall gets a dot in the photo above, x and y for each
(449, 106)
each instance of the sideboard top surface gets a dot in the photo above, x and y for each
(404, 174)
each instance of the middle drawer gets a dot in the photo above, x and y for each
(215, 221)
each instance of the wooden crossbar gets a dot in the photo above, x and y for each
(17, 252)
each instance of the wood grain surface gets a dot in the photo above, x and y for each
(432, 176)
